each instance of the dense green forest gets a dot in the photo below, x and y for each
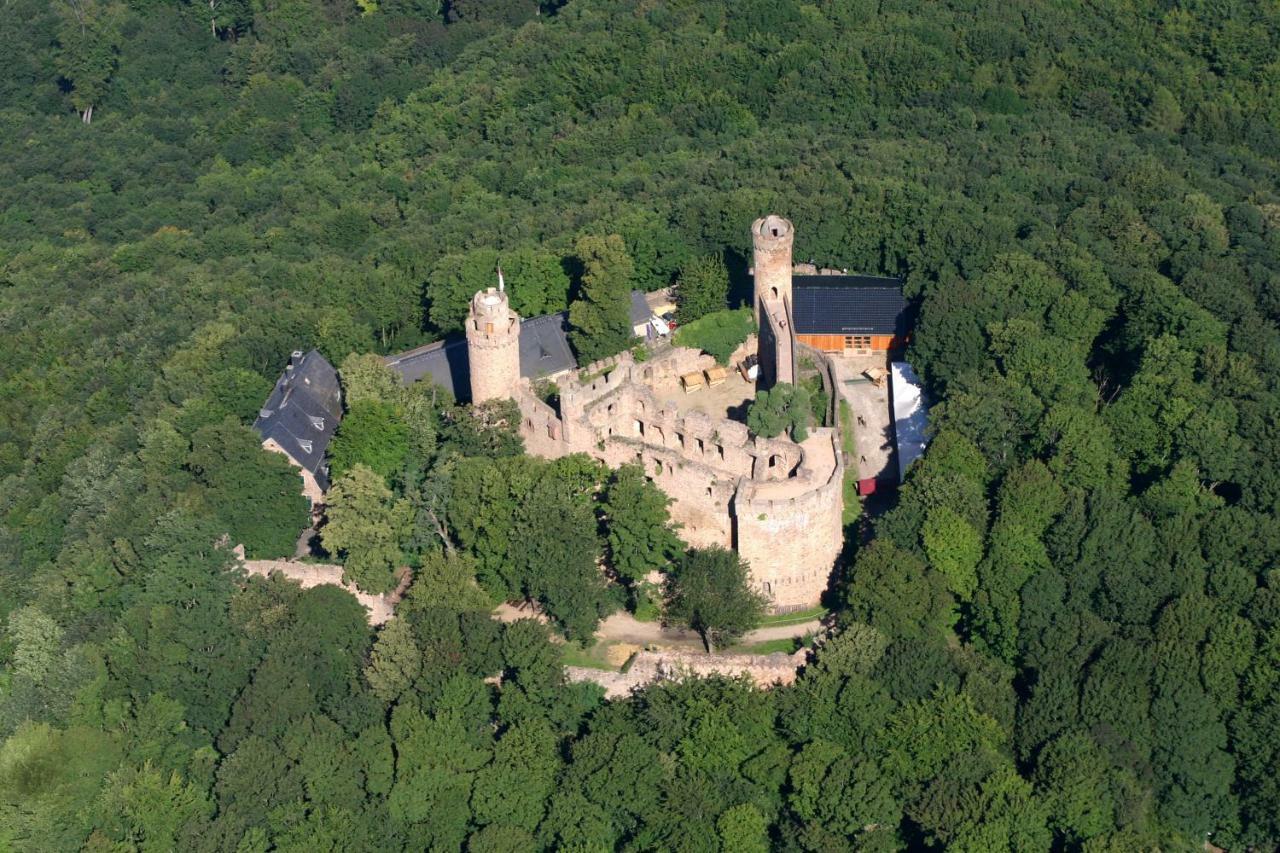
(1065, 636)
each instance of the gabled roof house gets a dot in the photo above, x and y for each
(301, 415)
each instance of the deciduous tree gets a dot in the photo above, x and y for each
(601, 314)
(366, 524)
(710, 592)
(638, 528)
(702, 287)
(372, 434)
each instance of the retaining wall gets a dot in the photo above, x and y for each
(651, 667)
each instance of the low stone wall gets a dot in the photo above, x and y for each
(651, 667)
(306, 575)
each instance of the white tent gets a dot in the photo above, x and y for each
(909, 415)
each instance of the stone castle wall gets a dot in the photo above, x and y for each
(794, 539)
(380, 608)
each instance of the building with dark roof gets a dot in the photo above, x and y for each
(639, 313)
(544, 354)
(300, 417)
(849, 313)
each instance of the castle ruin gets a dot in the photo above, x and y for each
(777, 502)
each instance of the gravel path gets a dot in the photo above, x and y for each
(622, 627)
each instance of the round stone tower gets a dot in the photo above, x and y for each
(771, 238)
(493, 346)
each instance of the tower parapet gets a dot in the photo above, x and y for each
(771, 240)
(493, 346)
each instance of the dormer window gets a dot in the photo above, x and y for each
(305, 444)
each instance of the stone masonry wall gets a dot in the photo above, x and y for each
(306, 575)
(791, 542)
(650, 667)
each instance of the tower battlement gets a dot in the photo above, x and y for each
(493, 346)
(771, 242)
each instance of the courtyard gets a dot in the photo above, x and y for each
(872, 424)
(730, 399)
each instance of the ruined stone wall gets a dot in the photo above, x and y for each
(652, 667)
(660, 374)
(540, 426)
(701, 494)
(306, 575)
(721, 478)
(777, 344)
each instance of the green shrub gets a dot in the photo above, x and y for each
(718, 334)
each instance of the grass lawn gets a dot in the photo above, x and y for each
(593, 657)
(786, 645)
(852, 509)
(795, 618)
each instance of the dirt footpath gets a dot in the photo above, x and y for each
(622, 627)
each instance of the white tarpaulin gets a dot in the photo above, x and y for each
(909, 415)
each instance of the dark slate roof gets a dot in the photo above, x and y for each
(640, 311)
(544, 346)
(303, 412)
(848, 305)
(444, 363)
(544, 351)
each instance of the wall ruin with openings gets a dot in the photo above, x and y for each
(777, 502)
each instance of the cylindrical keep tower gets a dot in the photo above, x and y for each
(771, 238)
(493, 346)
